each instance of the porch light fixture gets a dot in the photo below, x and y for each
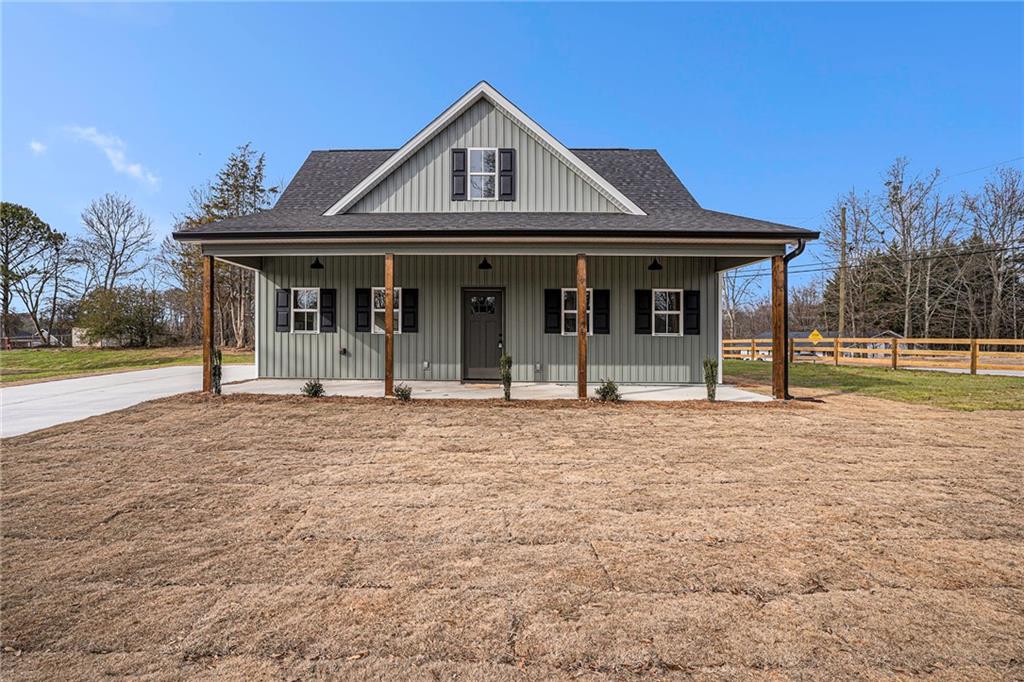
(655, 265)
(485, 265)
(316, 265)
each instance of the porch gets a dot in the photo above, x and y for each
(456, 390)
(439, 316)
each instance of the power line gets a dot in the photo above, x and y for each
(831, 267)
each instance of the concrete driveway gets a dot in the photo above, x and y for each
(37, 406)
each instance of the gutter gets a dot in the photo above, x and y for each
(785, 312)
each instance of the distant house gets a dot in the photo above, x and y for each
(485, 234)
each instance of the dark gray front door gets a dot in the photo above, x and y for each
(482, 333)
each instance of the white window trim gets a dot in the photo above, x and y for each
(677, 313)
(470, 173)
(374, 310)
(316, 325)
(590, 312)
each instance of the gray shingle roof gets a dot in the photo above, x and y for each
(641, 174)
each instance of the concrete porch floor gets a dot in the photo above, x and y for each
(520, 391)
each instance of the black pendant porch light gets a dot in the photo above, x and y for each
(316, 265)
(485, 265)
(655, 265)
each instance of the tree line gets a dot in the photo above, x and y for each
(115, 282)
(919, 263)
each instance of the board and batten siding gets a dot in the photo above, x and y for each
(621, 355)
(544, 182)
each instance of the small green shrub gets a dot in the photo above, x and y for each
(313, 389)
(403, 392)
(505, 369)
(608, 391)
(217, 370)
(711, 376)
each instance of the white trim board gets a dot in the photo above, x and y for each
(482, 90)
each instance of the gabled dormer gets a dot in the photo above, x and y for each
(483, 154)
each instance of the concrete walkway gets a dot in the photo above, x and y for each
(522, 391)
(37, 406)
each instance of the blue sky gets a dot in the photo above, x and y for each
(767, 110)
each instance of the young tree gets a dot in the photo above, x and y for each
(23, 237)
(118, 234)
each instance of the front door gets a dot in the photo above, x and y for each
(482, 333)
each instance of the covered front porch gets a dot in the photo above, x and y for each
(457, 390)
(358, 350)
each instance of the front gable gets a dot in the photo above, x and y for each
(549, 177)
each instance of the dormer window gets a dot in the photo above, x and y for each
(483, 173)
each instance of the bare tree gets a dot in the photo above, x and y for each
(997, 217)
(118, 234)
(862, 244)
(903, 226)
(940, 224)
(44, 282)
(737, 292)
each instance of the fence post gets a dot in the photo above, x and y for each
(974, 356)
(895, 352)
(753, 349)
(792, 351)
(835, 351)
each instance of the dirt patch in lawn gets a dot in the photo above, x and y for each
(255, 537)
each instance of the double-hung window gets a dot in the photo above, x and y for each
(667, 310)
(483, 173)
(305, 311)
(570, 313)
(379, 301)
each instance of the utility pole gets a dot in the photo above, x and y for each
(842, 271)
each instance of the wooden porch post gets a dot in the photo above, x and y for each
(582, 320)
(778, 328)
(208, 298)
(389, 324)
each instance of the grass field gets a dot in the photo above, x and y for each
(941, 389)
(253, 537)
(42, 364)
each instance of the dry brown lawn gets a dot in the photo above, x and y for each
(283, 538)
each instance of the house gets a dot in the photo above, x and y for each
(482, 234)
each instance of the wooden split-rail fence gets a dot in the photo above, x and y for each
(895, 353)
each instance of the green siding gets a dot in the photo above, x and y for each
(620, 355)
(545, 182)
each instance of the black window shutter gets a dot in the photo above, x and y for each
(410, 311)
(459, 178)
(328, 310)
(283, 309)
(691, 312)
(642, 314)
(507, 174)
(602, 311)
(552, 311)
(363, 310)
